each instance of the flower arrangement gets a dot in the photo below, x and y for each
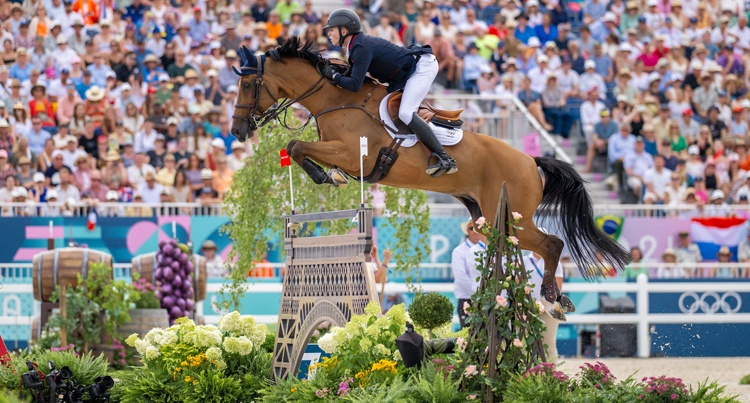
(147, 291)
(200, 360)
(596, 383)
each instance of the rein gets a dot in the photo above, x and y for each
(257, 117)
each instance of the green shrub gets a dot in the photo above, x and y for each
(711, 392)
(430, 311)
(745, 380)
(431, 385)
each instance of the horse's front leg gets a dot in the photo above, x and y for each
(328, 153)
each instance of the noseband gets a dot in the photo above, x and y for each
(256, 117)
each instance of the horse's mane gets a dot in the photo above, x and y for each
(293, 47)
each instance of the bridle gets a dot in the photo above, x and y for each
(257, 117)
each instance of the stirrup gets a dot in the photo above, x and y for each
(441, 166)
(338, 177)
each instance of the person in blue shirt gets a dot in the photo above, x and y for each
(523, 31)
(198, 26)
(21, 69)
(99, 71)
(153, 70)
(85, 84)
(412, 69)
(135, 11)
(546, 31)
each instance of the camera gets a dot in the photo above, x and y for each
(61, 388)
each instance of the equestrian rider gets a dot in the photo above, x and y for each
(412, 69)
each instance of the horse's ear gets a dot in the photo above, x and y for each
(249, 58)
(243, 60)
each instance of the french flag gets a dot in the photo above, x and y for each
(712, 233)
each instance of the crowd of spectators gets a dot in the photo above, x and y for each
(133, 100)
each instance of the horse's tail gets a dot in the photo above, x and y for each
(565, 196)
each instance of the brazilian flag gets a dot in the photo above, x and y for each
(610, 225)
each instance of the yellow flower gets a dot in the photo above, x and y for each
(188, 379)
(184, 363)
(195, 382)
(294, 388)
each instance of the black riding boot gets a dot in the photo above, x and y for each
(444, 163)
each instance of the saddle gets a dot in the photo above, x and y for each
(428, 113)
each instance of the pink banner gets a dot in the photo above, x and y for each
(652, 235)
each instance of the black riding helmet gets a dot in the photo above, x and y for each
(345, 18)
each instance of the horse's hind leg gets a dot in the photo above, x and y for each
(549, 247)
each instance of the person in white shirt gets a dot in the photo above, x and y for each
(718, 207)
(538, 74)
(741, 32)
(591, 113)
(463, 266)
(214, 263)
(71, 152)
(534, 263)
(187, 91)
(66, 190)
(62, 57)
(669, 269)
(145, 138)
(236, 160)
(656, 180)
(591, 80)
(151, 190)
(567, 79)
(138, 171)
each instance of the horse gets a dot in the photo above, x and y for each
(291, 73)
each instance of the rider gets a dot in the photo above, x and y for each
(412, 69)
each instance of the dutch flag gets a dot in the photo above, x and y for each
(712, 233)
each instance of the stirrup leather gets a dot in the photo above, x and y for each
(440, 166)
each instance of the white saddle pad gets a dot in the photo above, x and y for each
(446, 136)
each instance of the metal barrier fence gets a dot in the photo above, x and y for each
(107, 209)
(436, 210)
(21, 273)
(510, 121)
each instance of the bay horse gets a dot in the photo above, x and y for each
(291, 73)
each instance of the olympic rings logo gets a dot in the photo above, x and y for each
(710, 302)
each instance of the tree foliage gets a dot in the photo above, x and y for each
(259, 199)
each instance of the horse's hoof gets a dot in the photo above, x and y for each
(566, 304)
(338, 177)
(557, 312)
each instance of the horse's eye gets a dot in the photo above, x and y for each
(246, 85)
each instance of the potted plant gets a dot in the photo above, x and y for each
(93, 314)
(148, 313)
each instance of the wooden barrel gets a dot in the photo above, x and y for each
(35, 328)
(143, 320)
(199, 277)
(145, 265)
(53, 267)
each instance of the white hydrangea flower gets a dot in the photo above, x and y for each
(382, 350)
(168, 338)
(132, 339)
(213, 353)
(327, 343)
(141, 346)
(154, 336)
(230, 322)
(151, 352)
